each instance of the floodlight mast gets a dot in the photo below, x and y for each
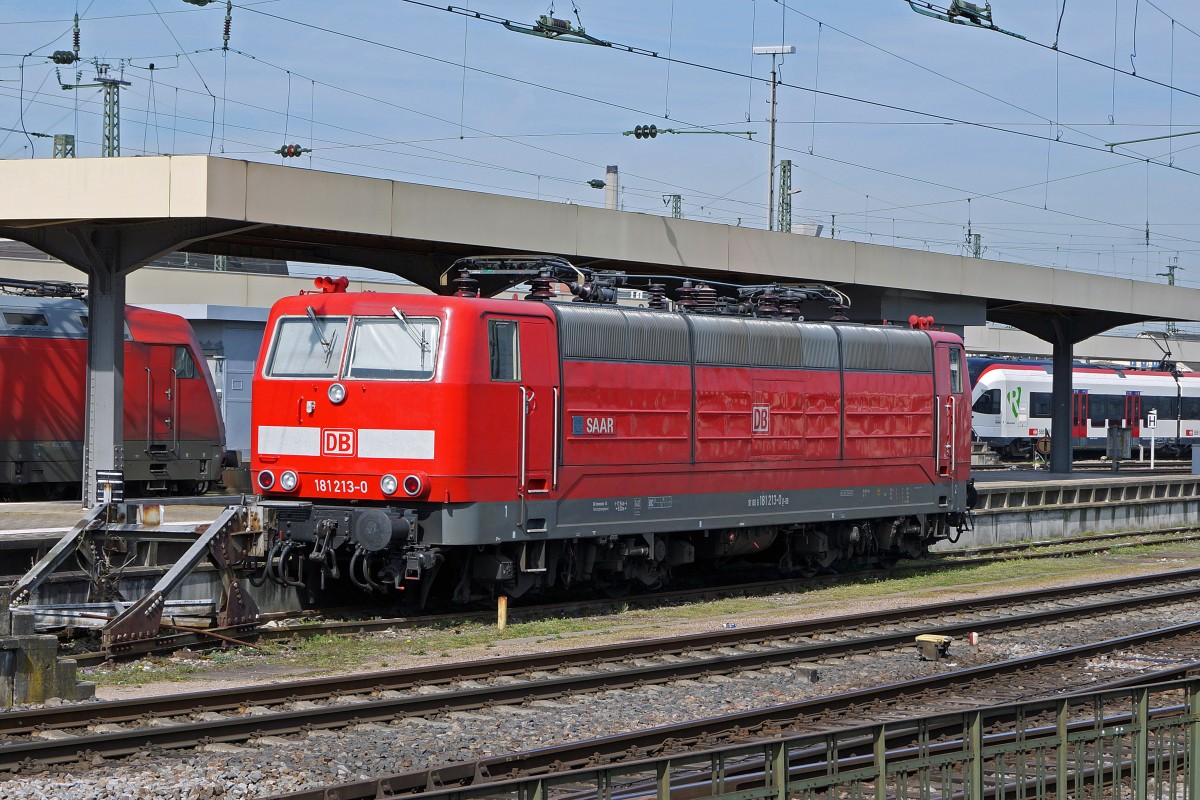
(774, 51)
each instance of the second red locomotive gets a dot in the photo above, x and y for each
(498, 446)
(174, 435)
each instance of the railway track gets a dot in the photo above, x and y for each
(846, 762)
(60, 734)
(280, 628)
(1010, 681)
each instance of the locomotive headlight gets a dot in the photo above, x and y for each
(337, 393)
(416, 484)
(266, 479)
(288, 481)
(388, 484)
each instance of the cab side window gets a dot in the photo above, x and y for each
(504, 350)
(185, 367)
(956, 384)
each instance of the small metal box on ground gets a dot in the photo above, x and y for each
(933, 647)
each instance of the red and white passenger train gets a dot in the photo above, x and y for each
(501, 446)
(174, 436)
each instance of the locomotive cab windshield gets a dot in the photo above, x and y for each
(380, 348)
(303, 348)
(393, 348)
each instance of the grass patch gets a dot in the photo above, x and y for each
(325, 653)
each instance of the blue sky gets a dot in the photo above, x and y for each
(912, 117)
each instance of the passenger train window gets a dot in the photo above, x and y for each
(1167, 407)
(305, 348)
(185, 367)
(1040, 404)
(988, 402)
(395, 348)
(1105, 407)
(956, 370)
(504, 350)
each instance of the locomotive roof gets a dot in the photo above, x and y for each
(595, 331)
(977, 365)
(382, 302)
(66, 318)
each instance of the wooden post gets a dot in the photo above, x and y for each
(501, 612)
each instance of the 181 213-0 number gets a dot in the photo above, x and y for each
(340, 486)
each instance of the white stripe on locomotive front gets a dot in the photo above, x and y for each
(281, 440)
(284, 440)
(383, 443)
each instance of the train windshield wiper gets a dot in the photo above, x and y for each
(421, 341)
(326, 343)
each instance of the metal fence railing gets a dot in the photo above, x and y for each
(1137, 743)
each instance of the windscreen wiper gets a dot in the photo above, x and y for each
(421, 342)
(326, 343)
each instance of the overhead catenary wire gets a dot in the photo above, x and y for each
(312, 116)
(841, 161)
(721, 71)
(204, 83)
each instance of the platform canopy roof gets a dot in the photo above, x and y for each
(127, 211)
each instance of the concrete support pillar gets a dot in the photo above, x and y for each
(107, 253)
(1060, 433)
(104, 446)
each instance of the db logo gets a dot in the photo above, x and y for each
(337, 442)
(760, 420)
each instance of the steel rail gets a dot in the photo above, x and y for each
(171, 642)
(933, 737)
(15, 751)
(514, 665)
(700, 735)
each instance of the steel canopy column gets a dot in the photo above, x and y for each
(104, 444)
(1060, 421)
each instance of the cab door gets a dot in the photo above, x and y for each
(150, 396)
(952, 414)
(539, 387)
(522, 355)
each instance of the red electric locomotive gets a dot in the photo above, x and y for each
(174, 435)
(498, 446)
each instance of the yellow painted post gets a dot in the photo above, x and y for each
(501, 612)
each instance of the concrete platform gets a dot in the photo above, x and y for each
(1026, 504)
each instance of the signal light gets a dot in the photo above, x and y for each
(292, 150)
(645, 132)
